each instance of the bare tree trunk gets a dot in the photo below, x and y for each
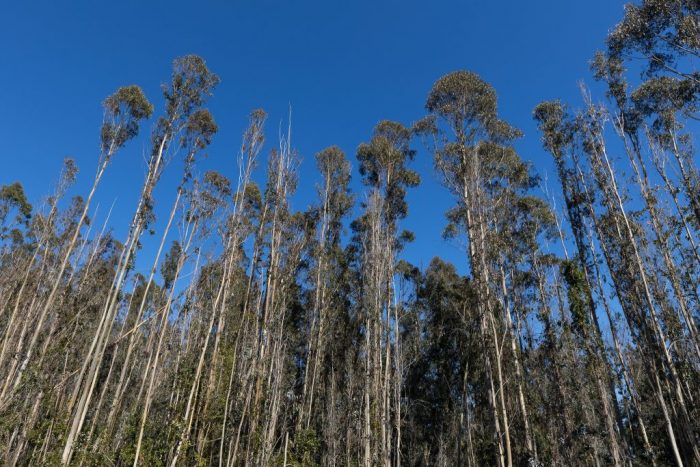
(152, 366)
(94, 357)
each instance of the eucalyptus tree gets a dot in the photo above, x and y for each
(273, 338)
(384, 168)
(198, 133)
(475, 159)
(233, 232)
(663, 35)
(232, 323)
(15, 221)
(588, 179)
(191, 83)
(559, 138)
(326, 254)
(661, 38)
(12, 197)
(123, 111)
(442, 390)
(639, 272)
(280, 241)
(45, 236)
(656, 110)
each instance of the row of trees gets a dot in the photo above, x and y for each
(267, 336)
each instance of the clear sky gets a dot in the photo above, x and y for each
(342, 66)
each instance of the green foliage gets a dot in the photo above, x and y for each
(383, 165)
(666, 97)
(579, 296)
(304, 449)
(170, 264)
(550, 117)
(287, 326)
(13, 196)
(468, 104)
(660, 30)
(191, 83)
(123, 111)
(199, 129)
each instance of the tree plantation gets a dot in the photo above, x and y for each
(254, 334)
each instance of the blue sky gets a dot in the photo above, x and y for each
(342, 66)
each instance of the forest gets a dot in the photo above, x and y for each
(260, 335)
